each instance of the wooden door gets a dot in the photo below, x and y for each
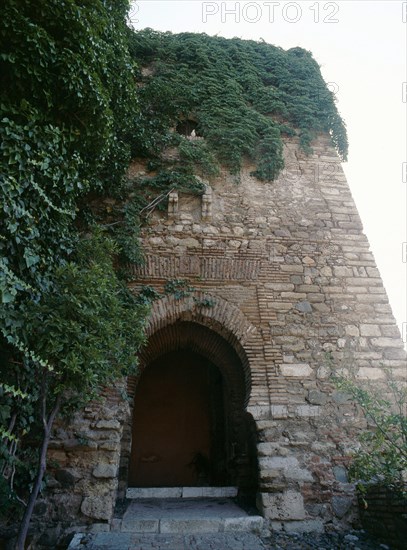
(172, 438)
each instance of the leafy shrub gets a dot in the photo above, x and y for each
(382, 455)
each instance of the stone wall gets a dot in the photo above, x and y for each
(384, 514)
(83, 468)
(283, 273)
(292, 258)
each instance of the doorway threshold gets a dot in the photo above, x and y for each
(181, 492)
(186, 516)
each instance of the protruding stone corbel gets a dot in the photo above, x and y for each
(207, 204)
(173, 204)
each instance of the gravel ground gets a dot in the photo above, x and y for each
(357, 540)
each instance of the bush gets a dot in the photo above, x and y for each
(382, 456)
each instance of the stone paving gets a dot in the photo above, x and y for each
(356, 540)
(226, 541)
(132, 541)
(187, 516)
(206, 524)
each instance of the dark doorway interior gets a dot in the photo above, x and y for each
(179, 425)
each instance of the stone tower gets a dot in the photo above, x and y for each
(283, 291)
(267, 289)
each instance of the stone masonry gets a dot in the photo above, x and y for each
(282, 277)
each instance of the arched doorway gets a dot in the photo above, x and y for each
(179, 424)
(189, 424)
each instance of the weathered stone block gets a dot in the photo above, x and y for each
(340, 474)
(278, 411)
(341, 505)
(324, 372)
(191, 526)
(308, 410)
(387, 342)
(340, 397)
(395, 353)
(74, 444)
(140, 525)
(316, 397)
(302, 370)
(108, 424)
(294, 268)
(279, 462)
(343, 271)
(391, 331)
(307, 260)
(308, 526)
(67, 478)
(105, 471)
(154, 492)
(288, 465)
(270, 448)
(97, 507)
(352, 330)
(287, 287)
(371, 373)
(285, 506)
(252, 524)
(304, 307)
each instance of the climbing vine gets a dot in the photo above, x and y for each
(68, 324)
(241, 96)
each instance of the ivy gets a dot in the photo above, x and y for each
(148, 295)
(179, 288)
(205, 302)
(68, 324)
(241, 96)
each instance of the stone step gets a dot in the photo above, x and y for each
(186, 516)
(180, 492)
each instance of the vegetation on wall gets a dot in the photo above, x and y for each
(68, 324)
(381, 456)
(242, 96)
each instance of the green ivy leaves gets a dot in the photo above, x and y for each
(242, 95)
(67, 109)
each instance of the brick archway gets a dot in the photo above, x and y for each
(217, 331)
(214, 314)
